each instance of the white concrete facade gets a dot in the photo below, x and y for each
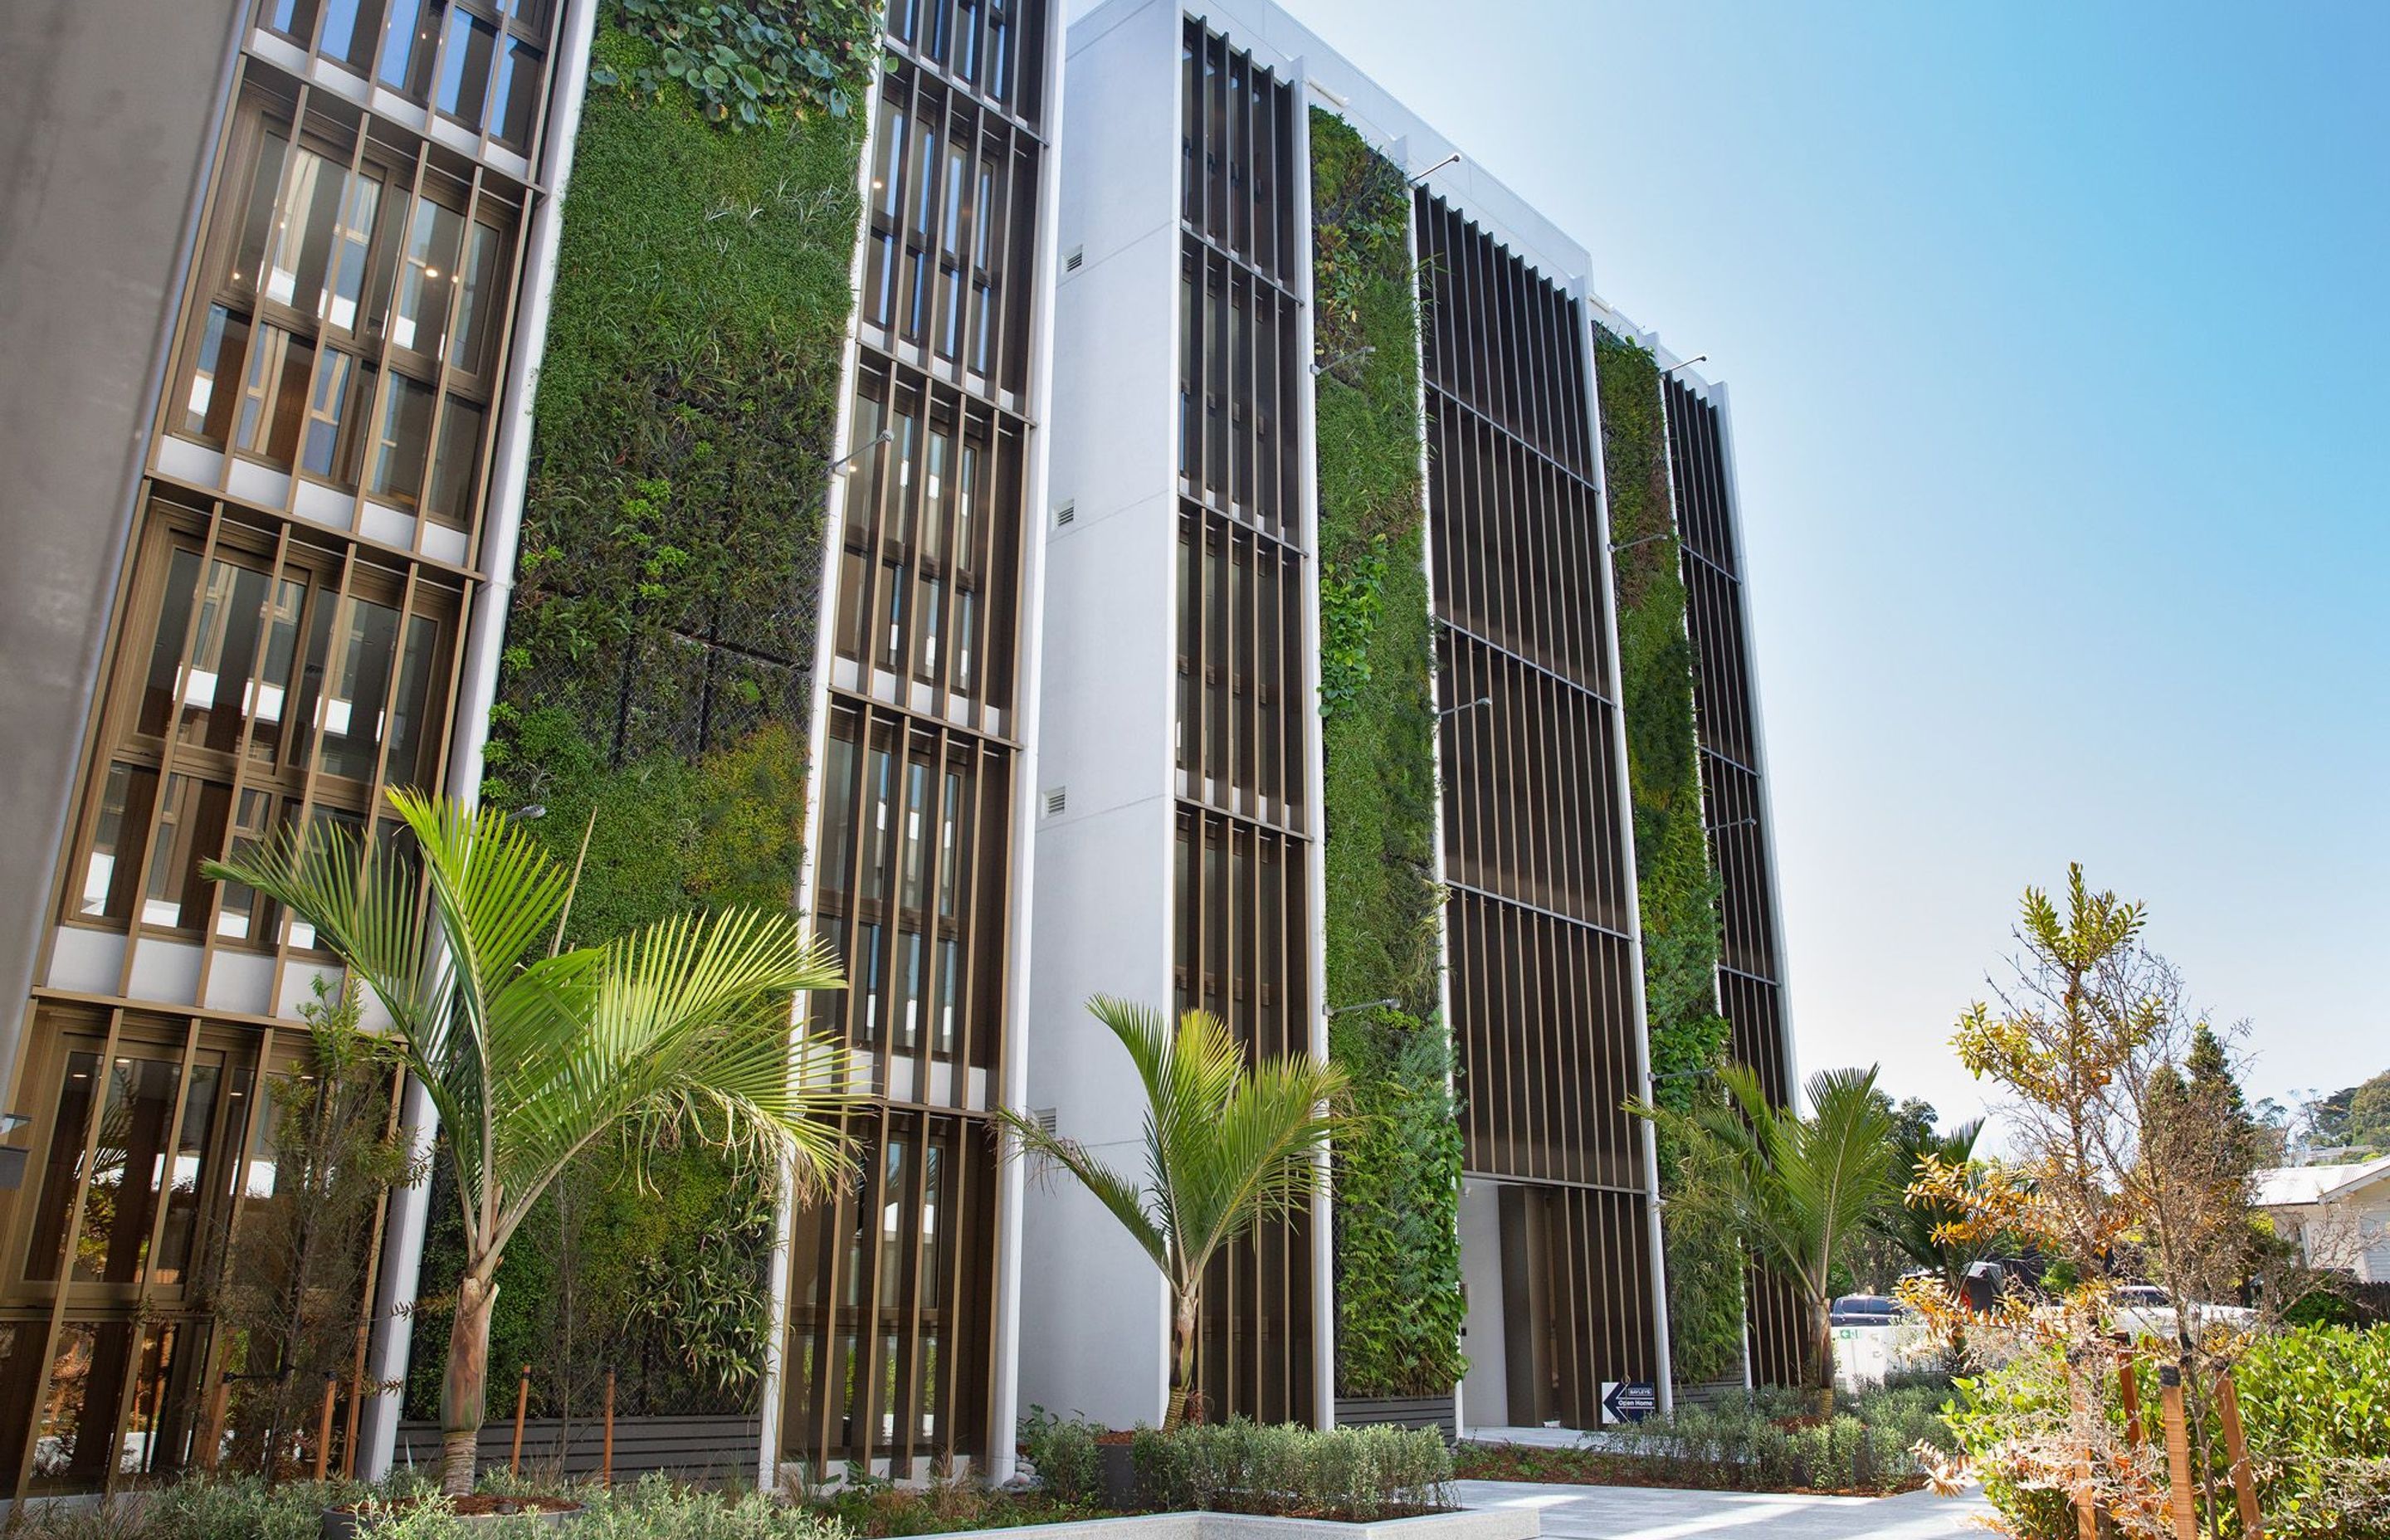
(1094, 1329)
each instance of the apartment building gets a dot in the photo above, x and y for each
(291, 265)
(1187, 812)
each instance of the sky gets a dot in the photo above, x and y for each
(2057, 339)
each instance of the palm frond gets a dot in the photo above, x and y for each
(1116, 1191)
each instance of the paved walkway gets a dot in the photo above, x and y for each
(1667, 1513)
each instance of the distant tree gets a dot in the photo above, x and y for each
(1927, 1231)
(2369, 1113)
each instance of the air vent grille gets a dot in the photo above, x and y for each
(1047, 1120)
(1057, 799)
(1066, 515)
(1077, 255)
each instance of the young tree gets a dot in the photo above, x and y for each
(1801, 1188)
(531, 1059)
(2132, 1154)
(296, 1309)
(1226, 1148)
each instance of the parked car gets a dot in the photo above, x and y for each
(1873, 1335)
(1868, 1310)
(2147, 1310)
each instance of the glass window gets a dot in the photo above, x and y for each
(401, 438)
(465, 65)
(274, 396)
(139, 1143)
(406, 52)
(323, 224)
(411, 707)
(76, 1439)
(477, 319)
(838, 814)
(514, 95)
(349, 719)
(216, 362)
(916, 813)
(455, 469)
(292, 18)
(427, 278)
(350, 28)
(238, 670)
(117, 841)
(336, 409)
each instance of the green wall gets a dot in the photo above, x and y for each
(655, 690)
(1678, 890)
(1397, 1178)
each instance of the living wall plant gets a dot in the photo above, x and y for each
(1397, 1177)
(655, 691)
(1678, 889)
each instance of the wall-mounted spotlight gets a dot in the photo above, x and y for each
(1716, 830)
(847, 464)
(530, 813)
(1688, 363)
(1434, 168)
(1342, 359)
(1464, 706)
(1388, 1004)
(1642, 540)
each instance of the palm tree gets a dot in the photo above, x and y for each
(1802, 1189)
(681, 1027)
(1915, 1224)
(1226, 1148)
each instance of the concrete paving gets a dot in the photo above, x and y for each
(1667, 1513)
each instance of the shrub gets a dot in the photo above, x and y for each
(1772, 1444)
(2314, 1402)
(1286, 1470)
(656, 1509)
(1063, 1450)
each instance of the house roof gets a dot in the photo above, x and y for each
(2285, 1187)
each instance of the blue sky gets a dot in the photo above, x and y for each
(2057, 335)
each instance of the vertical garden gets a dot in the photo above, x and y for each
(656, 683)
(1397, 1178)
(1676, 888)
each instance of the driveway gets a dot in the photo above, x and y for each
(1666, 1513)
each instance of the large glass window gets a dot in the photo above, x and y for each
(348, 330)
(250, 685)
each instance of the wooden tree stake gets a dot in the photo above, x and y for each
(522, 1403)
(2178, 1445)
(2130, 1391)
(2087, 1513)
(324, 1425)
(2244, 1484)
(605, 1471)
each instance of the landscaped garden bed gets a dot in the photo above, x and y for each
(1775, 1443)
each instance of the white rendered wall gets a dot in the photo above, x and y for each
(1486, 1394)
(1094, 1311)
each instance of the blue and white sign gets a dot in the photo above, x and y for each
(1628, 1400)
